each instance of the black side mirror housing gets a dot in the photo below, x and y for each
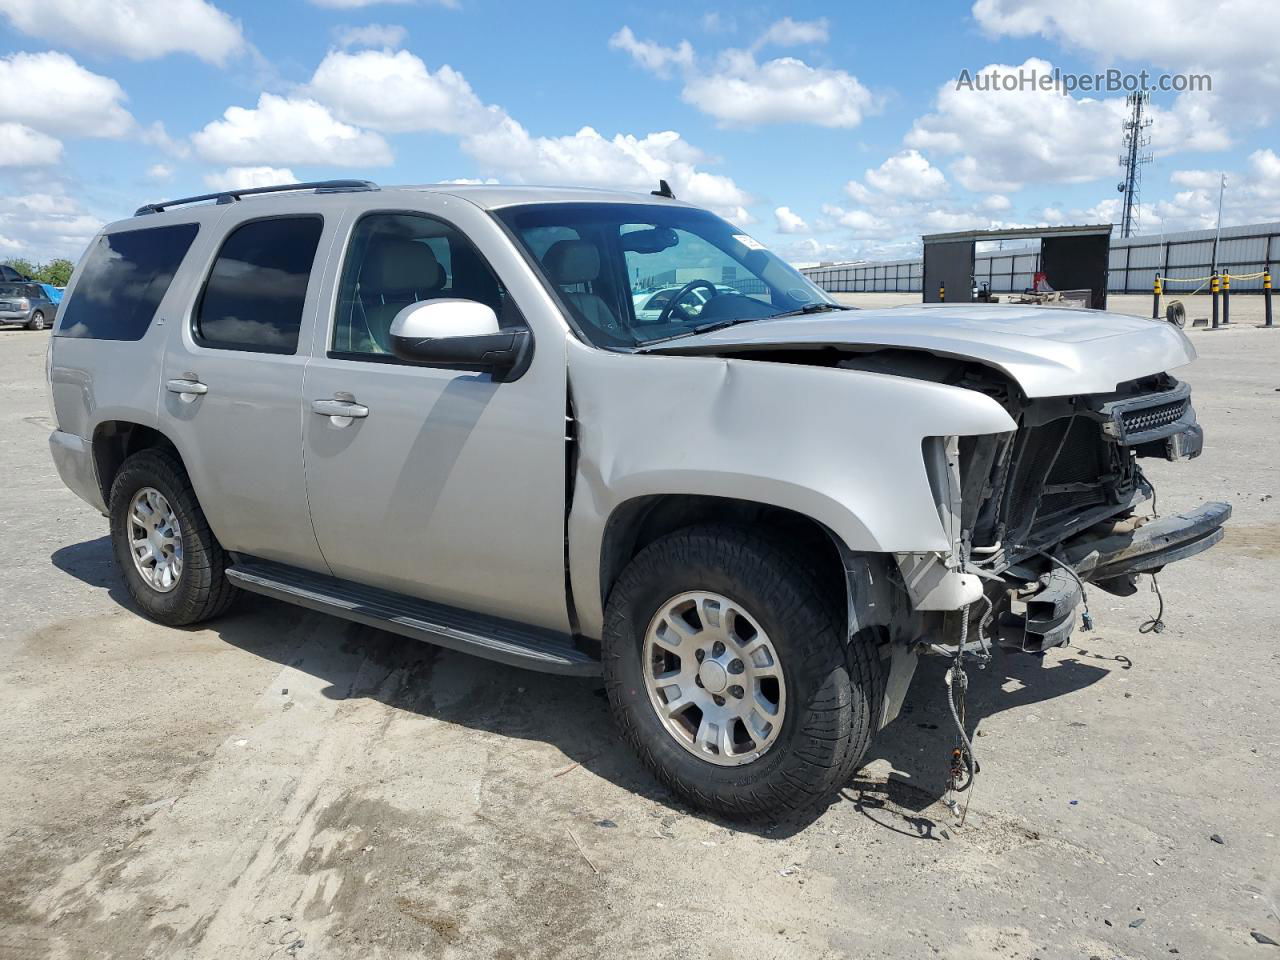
(505, 354)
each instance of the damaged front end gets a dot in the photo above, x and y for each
(1053, 506)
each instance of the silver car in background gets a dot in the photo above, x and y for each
(27, 303)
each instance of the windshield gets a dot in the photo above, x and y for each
(630, 274)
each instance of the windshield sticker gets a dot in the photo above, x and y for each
(749, 242)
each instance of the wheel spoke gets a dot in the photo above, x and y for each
(694, 640)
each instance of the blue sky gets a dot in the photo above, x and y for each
(828, 131)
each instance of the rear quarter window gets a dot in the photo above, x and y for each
(123, 280)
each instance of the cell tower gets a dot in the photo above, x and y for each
(1132, 160)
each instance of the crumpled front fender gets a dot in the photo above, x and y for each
(843, 447)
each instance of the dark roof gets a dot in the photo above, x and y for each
(1015, 233)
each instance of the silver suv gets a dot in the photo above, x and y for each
(436, 410)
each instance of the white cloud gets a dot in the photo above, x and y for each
(739, 92)
(1004, 139)
(652, 56)
(53, 93)
(789, 222)
(40, 222)
(370, 35)
(286, 130)
(160, 172)
(1252, 195)
(907, 174)
(20, 146)
(137, 29)
(624, 162)
(1233, 41)
(242, 178)
(396, 92)
(996, 203)
(794, 33)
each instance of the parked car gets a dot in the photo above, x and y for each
(28, 304)
(8, 273)
(433, 410)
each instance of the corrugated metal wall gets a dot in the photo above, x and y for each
(1133, 268)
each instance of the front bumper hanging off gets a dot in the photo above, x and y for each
(1110, 555)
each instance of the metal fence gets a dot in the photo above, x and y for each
(1133, 266)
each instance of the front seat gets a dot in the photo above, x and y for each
(574, 263)
(396, 272)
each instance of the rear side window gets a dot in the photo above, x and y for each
(123, 281)
(254, 296)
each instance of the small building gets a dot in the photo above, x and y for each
(1071, 258)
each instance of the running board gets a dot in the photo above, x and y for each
(507, 642)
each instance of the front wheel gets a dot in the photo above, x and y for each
(729, 672)
(36, 322)
(173, 565)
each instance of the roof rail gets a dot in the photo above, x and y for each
(231, 196)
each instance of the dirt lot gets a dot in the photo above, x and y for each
(285, 785)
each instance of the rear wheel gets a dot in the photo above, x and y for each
(36, 322)
(173, 565)
(729, 673)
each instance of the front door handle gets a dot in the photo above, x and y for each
(340, 407)
(187, 387)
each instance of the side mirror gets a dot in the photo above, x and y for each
(462, 334)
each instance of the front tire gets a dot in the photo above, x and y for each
(729, 673)
(172, 563)
(36, 322)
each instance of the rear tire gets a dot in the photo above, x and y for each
(36, 322)
(200, 589)
(826, 697)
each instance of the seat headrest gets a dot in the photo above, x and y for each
(572, 261)
(397, 263)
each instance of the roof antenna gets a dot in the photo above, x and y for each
(664, 190)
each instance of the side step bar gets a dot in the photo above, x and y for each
(511, 643)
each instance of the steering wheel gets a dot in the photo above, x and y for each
(674, 303)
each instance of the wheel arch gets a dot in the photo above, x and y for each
(114, 441)
(636, 523)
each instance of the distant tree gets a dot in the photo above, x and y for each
(56, 272)
(24, 267)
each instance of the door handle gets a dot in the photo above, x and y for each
(339, 407)
(188, 387)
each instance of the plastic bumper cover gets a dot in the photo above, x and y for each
(73, 458)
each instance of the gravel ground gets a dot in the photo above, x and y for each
(280, 784)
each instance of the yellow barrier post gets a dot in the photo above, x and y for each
(942, 293)
(1213, 289)
(1226, 299)
(1155, 299)
(1266, 297)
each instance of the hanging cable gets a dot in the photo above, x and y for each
(1156, 624)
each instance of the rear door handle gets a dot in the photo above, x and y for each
(339, 407)
(187, 387)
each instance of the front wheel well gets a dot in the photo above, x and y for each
(115, 441)
(639, 522)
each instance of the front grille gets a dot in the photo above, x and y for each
(1153, 418)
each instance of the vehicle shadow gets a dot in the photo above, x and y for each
(572, 714)
(917, 746)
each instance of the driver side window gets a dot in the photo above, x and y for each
(397, 259)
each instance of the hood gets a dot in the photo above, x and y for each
(1049, 351)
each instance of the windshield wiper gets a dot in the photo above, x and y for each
(734, 321)
(809, 308)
